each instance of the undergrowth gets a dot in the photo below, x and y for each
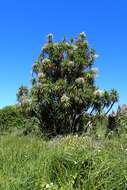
(69, 163)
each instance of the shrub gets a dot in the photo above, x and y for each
(11, 119)
(121, 119)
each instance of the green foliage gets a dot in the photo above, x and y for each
(10, 117)
(121, 120)
(63, 87)
(71, 163)
(13, 119)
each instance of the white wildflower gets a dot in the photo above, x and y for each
(99, 150)
(51, 184)
(47, 186)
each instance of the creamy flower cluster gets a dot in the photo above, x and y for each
(99, 92)
(41, 76)
(50, 38)
(24, 100)
(80, 80)
(65, 98)
(82, 34)
(50, 35)
(45, 61)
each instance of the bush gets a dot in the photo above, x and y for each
(11, 119)
(121, 119)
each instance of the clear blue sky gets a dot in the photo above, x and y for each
(24, 25)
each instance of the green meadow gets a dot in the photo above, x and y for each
(64, 163)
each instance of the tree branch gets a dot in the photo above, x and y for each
(110, 108)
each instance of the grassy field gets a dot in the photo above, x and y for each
(30, 163)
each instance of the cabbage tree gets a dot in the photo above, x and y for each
(63, 88)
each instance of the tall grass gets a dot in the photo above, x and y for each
(84, 163)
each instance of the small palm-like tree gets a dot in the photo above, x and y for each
(22, 94)
(63, 86)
